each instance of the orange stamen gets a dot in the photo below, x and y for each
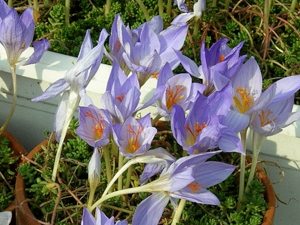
(221, 58)
(99, 127)
(133, 144)
(245, 100)
(174, 95)
(155, 75)
(264, 118)
(120, 98)
(194, 133)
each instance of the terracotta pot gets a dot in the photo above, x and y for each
(18, 149)
(23, 213)
(25, 216)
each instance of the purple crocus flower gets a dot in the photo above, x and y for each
(249, 99)
(122, 94)
(134, 137)
(201, 130)
(101, 219)
(173, 90)
(94, 126)
(219, 64)
(76, 78)
(146, 52)
(16, 34)
(270, 119)
(187, 178)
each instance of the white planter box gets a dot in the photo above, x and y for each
(32, 119)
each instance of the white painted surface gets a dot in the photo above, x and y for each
(32, 119)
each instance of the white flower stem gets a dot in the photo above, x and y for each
(107, 7)
(67, 12)
(169, 7)
(14, 101)
(161, 7)
(178, 212)
(91, 196)
(242, 172)
(257, 141)
(106, 155)
(120, 179)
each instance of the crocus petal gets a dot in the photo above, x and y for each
(150, 210)
(182, 18)
(202, 197)
(39, 48)
(229, 141)
(211, 173)
(60, 115)
(173, 37)
(28, 21)
(188, 64)
(53, 90)
(4, 9)
(87, 218)
(181, 5)
(181, 179)
(94, 168)
(236, 121)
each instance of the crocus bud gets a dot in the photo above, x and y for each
(94, 169)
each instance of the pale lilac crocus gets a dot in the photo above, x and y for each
(101, 219)
(134, 137)
(187, 178)
(202, 130)
(248, 98)
(16, 34)
(94, 126)
(219, 65)
(171, 90)
(147, 54)
(122, 94)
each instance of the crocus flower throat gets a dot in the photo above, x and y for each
(173, 95)
(192, 134)
(244, 101)
(99, 127)
(133, 144)
(264, 118)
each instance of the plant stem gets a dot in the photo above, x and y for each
(106, 155)
(161, 7)
(36, 5)
(107, 7)
(91, 196)
(196, 27)
(293, 5)
(67, 12)
(178, 212)
(267, 13)
(257, 141)
(227, 5)
(73, 102)
(121, 192)
(114, 148)
(144, 9)
(120, 179)
(214, 3)
(169, 7)
(242, 172)
(158, 116)
(10, 3)
(13, 105)
(128, 178)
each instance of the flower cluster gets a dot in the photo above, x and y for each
(205, 117)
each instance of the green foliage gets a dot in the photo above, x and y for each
(7, 169)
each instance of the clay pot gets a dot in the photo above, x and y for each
(25, 216)
(18, 149)
(23, 213)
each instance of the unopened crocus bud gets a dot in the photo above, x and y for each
(94, 169)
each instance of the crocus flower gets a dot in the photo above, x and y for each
(94, 126)
(270, 119)
(122, 94)
(134, 137)
(173, 90)
(249, 99)
(187, 178)
(219, 64)
(198, 8)
(201, 130)
(94, 169)
(101, 219)
(16, 34)
(147, 54)
(76, 78)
